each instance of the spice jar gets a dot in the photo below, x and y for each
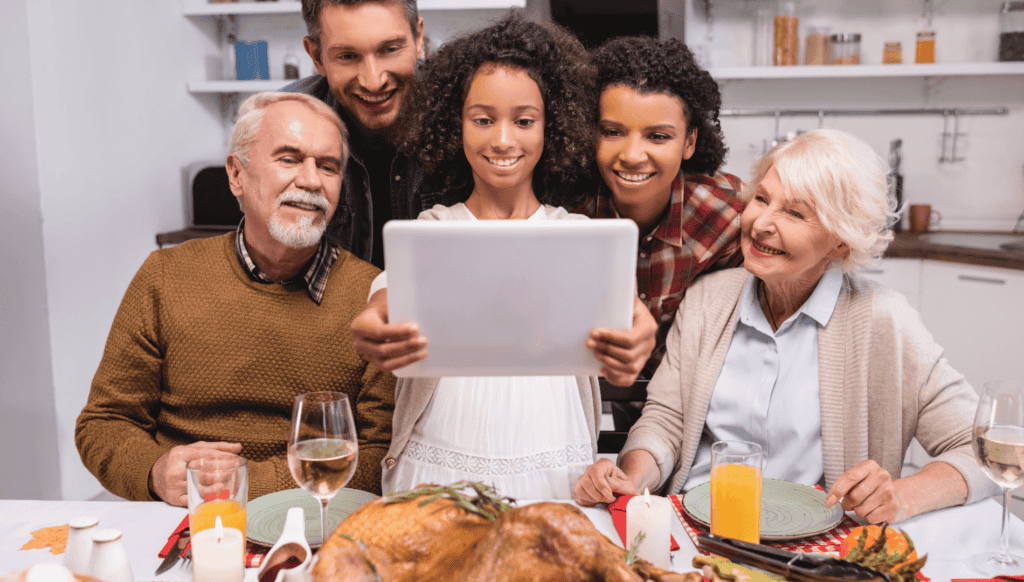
(892, 54)
(816, 48)
(925, 52)
(1011, 31)
(787, 38)
(845, 49)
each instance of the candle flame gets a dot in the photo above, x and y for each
(218, 529)
(647, 496)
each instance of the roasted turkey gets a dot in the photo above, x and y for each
(427, 536)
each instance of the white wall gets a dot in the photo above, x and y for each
(28, 439)
(114, 125)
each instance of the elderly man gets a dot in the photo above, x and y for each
(365, 54)
(214, 339)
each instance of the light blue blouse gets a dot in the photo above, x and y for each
(767, 391)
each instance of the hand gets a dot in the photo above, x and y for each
(167, 477)
(624, 353)
(601, 482)
(387, 346)
(868, 490)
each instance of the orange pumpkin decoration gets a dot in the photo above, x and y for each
(895, 542)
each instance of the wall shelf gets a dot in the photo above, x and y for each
(201, 8)
(866, 71)
(237, 86)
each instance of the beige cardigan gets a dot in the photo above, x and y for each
(883, 381)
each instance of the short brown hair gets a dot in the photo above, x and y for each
(311, 10)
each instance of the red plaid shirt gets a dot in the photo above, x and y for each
(700, 233)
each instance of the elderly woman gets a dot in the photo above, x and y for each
(830, 374)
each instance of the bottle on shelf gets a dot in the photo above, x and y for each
(1011, 31)
(892, 54)
(816, 48)
(787, 36)
(291, 65)
(845, 49)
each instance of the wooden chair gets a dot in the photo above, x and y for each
(612, 441)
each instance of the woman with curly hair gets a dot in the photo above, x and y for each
(659, 150)
(501, 117)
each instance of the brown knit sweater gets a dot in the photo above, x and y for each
(198, 351)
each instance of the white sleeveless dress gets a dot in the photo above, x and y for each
(525, 435)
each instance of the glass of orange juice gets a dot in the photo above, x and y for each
(218, 485)
(736, 490)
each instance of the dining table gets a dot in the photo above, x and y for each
(948, 536)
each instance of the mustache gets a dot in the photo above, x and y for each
(302, 197)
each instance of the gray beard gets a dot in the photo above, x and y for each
(297, 236)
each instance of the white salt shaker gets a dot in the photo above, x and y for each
(108, 561)
(79, 546)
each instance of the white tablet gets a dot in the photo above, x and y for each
(510, 297)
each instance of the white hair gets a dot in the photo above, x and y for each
(844, 179)
(251, 112)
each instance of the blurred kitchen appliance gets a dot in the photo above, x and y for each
(895, 181)
(209, 203)
(596, 21)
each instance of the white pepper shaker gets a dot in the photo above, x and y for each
(79, 545)
(109, 562)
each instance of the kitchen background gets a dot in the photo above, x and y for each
(103, 103)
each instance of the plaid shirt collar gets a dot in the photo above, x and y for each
(314, 280)
(670, 230)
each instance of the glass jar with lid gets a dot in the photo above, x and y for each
(1011, 31)
(845, 49)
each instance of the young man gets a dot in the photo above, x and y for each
(365, 54)
(215, 338)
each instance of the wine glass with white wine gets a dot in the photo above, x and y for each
(322, 447)
(999, 445)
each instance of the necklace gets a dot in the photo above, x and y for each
(767, 305)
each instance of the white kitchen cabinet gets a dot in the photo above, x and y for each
(977, 315)
(903, 275)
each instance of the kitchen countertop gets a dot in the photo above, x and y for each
(973, 248)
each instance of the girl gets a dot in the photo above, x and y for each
(659, 150)
(502, 118)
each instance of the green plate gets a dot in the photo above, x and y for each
(266, 514)
(789, 511)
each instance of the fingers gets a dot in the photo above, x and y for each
(602, 483)
(169, 471)
(867, 490)
(387, 346)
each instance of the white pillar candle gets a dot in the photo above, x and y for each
(218, 554)
(651, 515)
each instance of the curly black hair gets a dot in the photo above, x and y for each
(648, 65)
(430, 127)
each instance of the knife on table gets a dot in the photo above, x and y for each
(174, 554)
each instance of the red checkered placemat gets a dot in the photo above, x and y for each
(826, 543)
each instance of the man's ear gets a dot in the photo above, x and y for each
(313, 50)
(234, 167)
(419, 37)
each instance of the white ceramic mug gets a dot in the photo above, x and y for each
(109, 561)
(79, 546)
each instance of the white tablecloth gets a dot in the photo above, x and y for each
(949, 536)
